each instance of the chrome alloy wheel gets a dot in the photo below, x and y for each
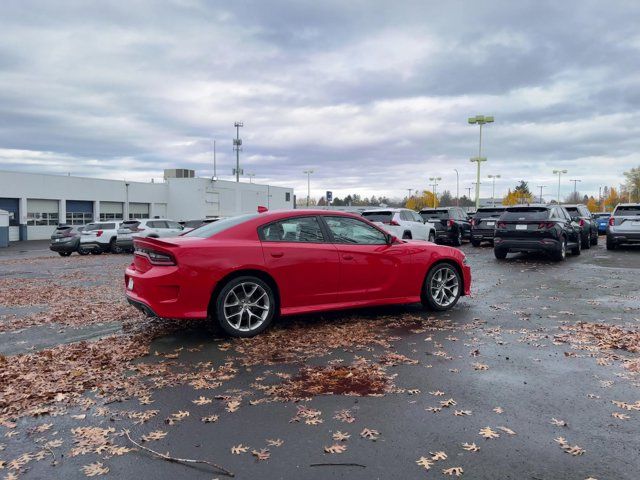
(444, 286)
(246, 306)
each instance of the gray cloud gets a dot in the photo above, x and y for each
(373, 96)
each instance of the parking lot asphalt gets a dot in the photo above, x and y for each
(544, 354)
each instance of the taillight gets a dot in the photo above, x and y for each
(581, 223)
(98, 233)
(155, 257)
(473, 222)
(546, 225)
(502, 225)
(450, 223)
(612, 221)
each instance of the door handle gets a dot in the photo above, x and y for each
(347, 257)
(277, 254)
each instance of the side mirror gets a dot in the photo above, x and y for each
(391, 239)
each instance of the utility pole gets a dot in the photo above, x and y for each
(409, 190)
(493, 189)
(559, 173)
(215, 176)
(468, 189)
(457, 187)
(541, 187)
(435, 181)
(237, 146)
(575, 187)
(479, 120)
(308, 172)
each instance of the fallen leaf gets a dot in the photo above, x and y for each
(438, 456)
(498, 410)
(425, 462)
(94, 469)
(370, 434)
(275, 443)
(486, 432)
(202, 401)
(262, 454)
(470, 447)
(558, 423)
(155, 435)
(341, 437)
(620, 416)
(460, 413)
(506, 430)
(457, 471)
(335, 448)
(210, 419)
(238, 449)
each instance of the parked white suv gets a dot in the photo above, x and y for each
(146, 227)
(402, 222)
(99, 237)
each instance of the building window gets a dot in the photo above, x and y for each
(42, 219)
(287, 197)
(75, 218)
(138, 215)
(110, 216)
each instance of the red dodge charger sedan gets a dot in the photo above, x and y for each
(246, 270)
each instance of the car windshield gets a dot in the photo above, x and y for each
(384, 217)
(572, 210)
(527, 214)
(489, 212)
(601, 215)
(441, 214)
(211, 229)
(628, 210)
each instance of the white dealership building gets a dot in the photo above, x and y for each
(37, 203)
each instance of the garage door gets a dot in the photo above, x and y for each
(14, 234)
(138, 210)
(160, 210)
(111, 211)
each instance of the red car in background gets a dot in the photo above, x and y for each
(245, 271)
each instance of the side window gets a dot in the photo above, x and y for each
(174, 225)
(565, 214)
(417, 217)
(298, 230)
(352, 231)
(405, 216)
(585, 212)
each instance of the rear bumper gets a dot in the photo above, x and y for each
(125, 243)
(546, 245)
(93, 245)
(620, 238)
(482, 234)
(64, 246)
(164, 292)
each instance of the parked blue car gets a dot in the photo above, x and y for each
(603, 220)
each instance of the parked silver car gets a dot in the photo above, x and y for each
(624, 225)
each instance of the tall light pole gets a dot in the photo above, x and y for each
(559, 173)
(457, 187)
(409, 190)
(308, 172)
(479, 120)
(251, 175)
(237, 146)
(575, 188)
(468, 189)
(541, 187)
(435, 181)
(493, 189)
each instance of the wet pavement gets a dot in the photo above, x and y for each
(494, 361)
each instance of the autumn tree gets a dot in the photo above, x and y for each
(521, 194)
(592, 205)
(426, 200)
(612, 199)
(632, 183)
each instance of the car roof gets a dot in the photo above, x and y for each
(273, 215)
(373, 210)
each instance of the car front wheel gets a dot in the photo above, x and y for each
(64, 254)
(442, 287)
(245, 306)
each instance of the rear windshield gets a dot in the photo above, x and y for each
(378, 216)
(211, 229)
(63, 229)
(526, 214)
(628, 210)
(192, 223)
(130, 224)
(435, 214)
(572, 209)
(601, 215)
(489, 212)
(107, 226)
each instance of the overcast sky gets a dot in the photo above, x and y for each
(373, 96)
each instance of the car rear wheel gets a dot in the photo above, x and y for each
(457, 239)
(96, 251)
(83, 251)
(64, 254)
(406, 236)
(442, 287)
(114, 247)
(475, 243)
(611, 245)
(500, 253)
(245, 306)
(594, 239)
(586, 241)
(577, 250)
(561, 253)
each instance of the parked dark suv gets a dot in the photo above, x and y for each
(588, 224)
(65, 240)
(483, 224)
(452, 224)
(536, 228)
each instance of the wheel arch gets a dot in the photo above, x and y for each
(261, 274)
(450, 261)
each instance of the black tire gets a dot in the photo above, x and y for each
(83, 252)
(427, 297)
(457, 239)
(561, 253)
(476, 243)
(432, 237)
(611, 245)
(594, 239)
(500, 253)
(586, 241)
(64, 254)
(577, 250)
(113, 247)
(223, 321)
(407, 236)
(96, 251)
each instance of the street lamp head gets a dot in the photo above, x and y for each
(478, 159)
(480, 119)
